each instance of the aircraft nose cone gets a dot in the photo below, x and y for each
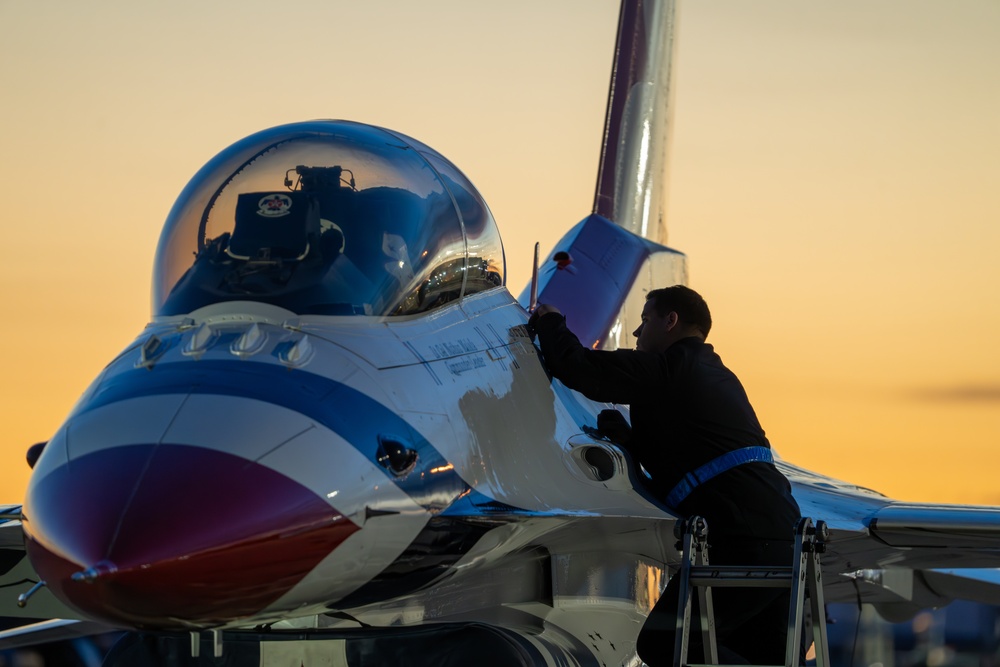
(173, 536)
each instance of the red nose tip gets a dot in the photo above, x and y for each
(173, 536)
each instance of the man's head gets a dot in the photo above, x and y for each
(670, 314)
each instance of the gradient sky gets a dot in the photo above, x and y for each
(835, 182)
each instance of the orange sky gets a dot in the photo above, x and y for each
(834, 181)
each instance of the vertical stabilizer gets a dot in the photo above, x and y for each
(632, 175)
(600, 272)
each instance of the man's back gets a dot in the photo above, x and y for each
(700, 414)
(695, 432)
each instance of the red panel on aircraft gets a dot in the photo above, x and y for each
(180, 536)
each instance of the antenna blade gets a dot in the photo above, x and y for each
(533, 303)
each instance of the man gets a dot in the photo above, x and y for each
(690, 411)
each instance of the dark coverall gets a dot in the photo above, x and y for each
(687, 409)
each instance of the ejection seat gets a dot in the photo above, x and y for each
(273, 226)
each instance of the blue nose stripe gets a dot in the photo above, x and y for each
(360, 420)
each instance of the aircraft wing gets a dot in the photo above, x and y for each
(976, 584)
(10, 527)
(900, 556)
(943, 527)
(43, 619)
(44, 632)
(895, 533)
(953, 549)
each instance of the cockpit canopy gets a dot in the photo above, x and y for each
(331, 218)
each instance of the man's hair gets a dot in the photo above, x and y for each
(684, 301)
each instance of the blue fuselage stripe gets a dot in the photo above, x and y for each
(354, 416)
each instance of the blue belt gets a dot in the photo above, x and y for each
(716, 466)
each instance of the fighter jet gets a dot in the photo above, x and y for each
(336, 440)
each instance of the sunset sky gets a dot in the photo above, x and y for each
(835, 183)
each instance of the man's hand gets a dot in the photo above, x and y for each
(542, 309)
(613, 425)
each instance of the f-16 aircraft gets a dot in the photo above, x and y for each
(336, 441)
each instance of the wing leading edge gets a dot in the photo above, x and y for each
(914, 525)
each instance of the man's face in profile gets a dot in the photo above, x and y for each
(653, 335)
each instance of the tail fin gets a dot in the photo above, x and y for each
(632, 176)
(599, 273)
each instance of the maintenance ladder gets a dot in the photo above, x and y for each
(804, 574)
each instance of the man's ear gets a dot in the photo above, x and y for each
(672, 319)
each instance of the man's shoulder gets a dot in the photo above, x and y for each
(693, 343)
(692, 348)
(697, 356)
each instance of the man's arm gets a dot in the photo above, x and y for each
(615, 377)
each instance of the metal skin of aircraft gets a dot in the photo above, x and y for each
(336, 443)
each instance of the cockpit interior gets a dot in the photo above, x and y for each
(329, 218)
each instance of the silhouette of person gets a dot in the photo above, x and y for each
(690, 413)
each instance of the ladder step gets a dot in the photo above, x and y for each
(740, 582)
(749, 569)
(732, 576)
(804, 578)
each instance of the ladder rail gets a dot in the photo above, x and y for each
(793, 637)
(695, 557)
(803, 577)
(818, 608)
